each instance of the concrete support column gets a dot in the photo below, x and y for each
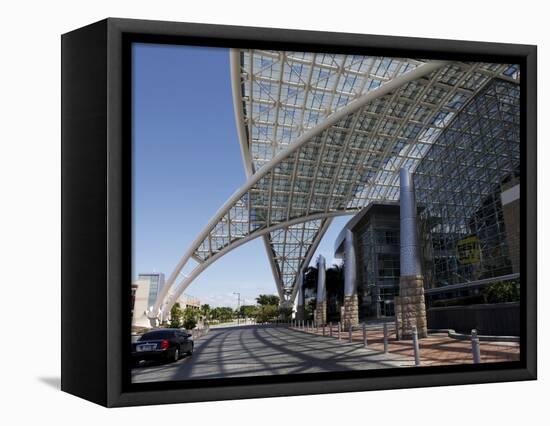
(410, 308)
(300, 309)
(351, 304)
(321, 307)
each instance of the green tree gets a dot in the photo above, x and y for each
(206, 311)
(267, 299)
(248, 311)
(266, 313)
(190, 318)
(176, 315)
(222, 314)
(285, 313)
(309, 308)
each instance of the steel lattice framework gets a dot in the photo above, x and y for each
(280, 95)
(321, 136)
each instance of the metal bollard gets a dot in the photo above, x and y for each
(415, 346)
(385, 337)
(339, 337)
(330, 329)
(476, 354)
(350, 334)
(364, 335)
(324, 330)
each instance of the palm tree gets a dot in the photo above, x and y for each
(206, 311)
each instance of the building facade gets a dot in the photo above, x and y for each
(187, 301)
(376, 231)
(144, 292)
(140, 290)
(467, 195)
(156, 283)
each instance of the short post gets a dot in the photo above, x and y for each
(330, 329)
(324, 330)
(476, 354)
(415, 345)
(364, 334)
(397, 337)
(339, 337)
(350, 333)
(385, 337)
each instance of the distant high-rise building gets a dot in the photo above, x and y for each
(145, 291)
(156, 282)
(140, 296)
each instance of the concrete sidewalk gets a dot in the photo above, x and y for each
(436, 349)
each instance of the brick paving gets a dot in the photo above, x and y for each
(436, 349)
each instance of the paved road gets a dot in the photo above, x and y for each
(266, 350)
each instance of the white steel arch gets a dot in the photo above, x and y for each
(306, 241)
(337, 167)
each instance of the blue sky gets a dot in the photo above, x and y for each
(187, 163)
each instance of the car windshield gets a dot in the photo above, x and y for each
(156, 335)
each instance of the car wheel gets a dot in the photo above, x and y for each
(190, 352)
(176, 354)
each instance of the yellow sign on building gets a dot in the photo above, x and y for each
(468, 251)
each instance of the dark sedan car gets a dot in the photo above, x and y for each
(167, 344)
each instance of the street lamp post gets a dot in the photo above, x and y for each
(238, 305)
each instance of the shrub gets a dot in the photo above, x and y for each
(502, 292)
(266, 313)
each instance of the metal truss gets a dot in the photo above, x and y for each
(348, 158)
(279, 95)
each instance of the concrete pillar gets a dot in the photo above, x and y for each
(300, 309)
(350, 309)
(321, 308)
(410, 306)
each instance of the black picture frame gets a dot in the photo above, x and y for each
(96, 213)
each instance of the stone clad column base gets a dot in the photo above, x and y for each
(410, 307)
(321, 310)
(350, 311)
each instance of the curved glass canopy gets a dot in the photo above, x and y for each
(325, 135)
